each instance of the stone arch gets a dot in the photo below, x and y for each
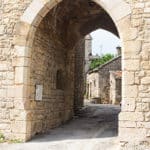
(26, 28)
(34, 14)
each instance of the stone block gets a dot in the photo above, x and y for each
(2, 29)
(21, 62)
(3, 66)
(145, 125)
(19, 115)
(22, 75)
(3, 93)
(130, 91)
(127, 124)
(19, 40)
(148, 133)
(7, 82)
(128, 105)
(20, 136)
(145, 65)
(131, 116)
(128, 78)
(22, 28)
(143, 107)
(51, 4)
(131, 65)
(10, 105)
(10, 92)
(144, 95)
(21, 125)
(146, 100)
(128, 134)
(147, 116)
(4, 126)
(22, 51)
(21, 91)
(147, 10)
(10, 75)
(145, 80)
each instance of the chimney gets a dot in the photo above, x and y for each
(118, 50)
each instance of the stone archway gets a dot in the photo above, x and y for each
(24, 38)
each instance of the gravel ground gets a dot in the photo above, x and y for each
(95, 128)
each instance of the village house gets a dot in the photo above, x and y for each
(104, 82)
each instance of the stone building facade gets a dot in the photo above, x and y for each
(63, 23)
(98, 81)
(115, 87)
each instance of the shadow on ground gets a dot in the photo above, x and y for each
(93, 121)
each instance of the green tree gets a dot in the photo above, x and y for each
(101, 60)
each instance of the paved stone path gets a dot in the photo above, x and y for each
(95, 128)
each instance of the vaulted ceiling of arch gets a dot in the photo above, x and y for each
(73, 19)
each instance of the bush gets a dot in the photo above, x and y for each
(100, 61)
(2, 138)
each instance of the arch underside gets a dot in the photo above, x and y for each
(76, 19)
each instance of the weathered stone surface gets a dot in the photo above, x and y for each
(147, 116)
(131, 91)
(64, 26)
(144, 107)
(132, 116)
(145, 80)
(128, 105)
(129, 78)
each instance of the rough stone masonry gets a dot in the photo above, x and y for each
(38, 39)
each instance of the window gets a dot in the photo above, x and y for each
(59, 80)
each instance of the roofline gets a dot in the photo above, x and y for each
(99, 67)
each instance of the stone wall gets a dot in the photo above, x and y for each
(135, 116)
(44, 59)
(92, 84)
(10, 90)
(48, 57)
(17, 28)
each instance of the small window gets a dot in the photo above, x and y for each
(94, 83)
(59, 80)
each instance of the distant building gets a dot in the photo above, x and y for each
(104, 82)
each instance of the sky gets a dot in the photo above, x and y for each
(104, 42)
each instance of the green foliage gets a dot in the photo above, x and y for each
(101, 60)
(2, 138)
(14, 141)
